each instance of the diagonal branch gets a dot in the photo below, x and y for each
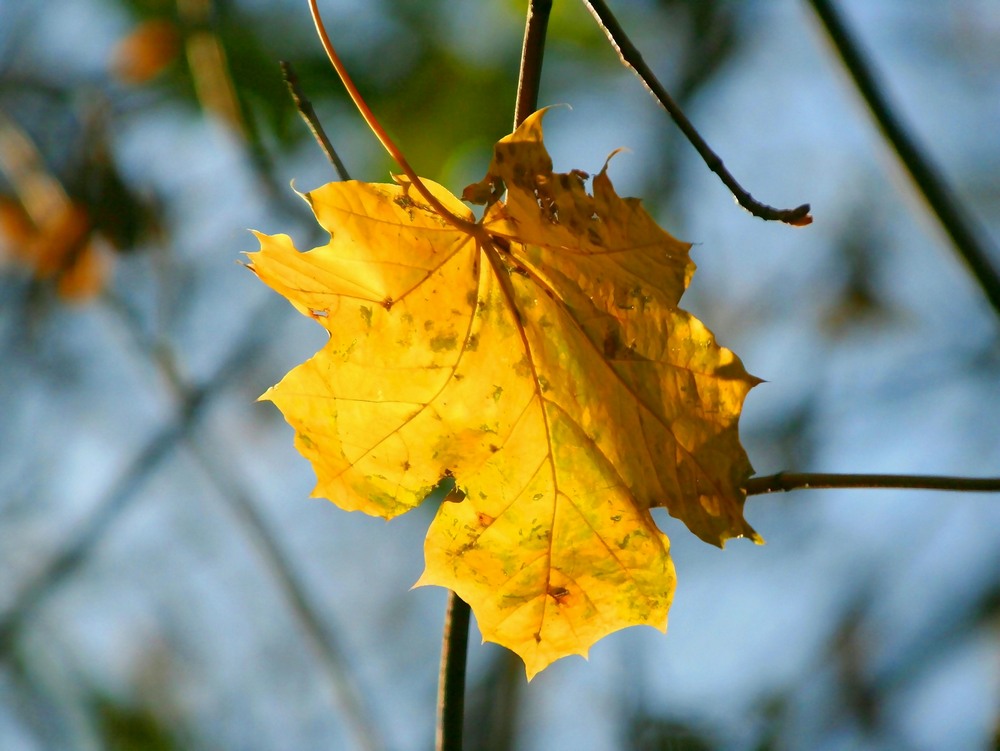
(125, 493)
(966, 238)
(785, 481)
(305, 108)
(631, 57)
(320, 636)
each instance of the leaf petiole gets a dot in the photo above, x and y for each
(376, 127)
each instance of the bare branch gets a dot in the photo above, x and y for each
(967, 239)
(532, 52)
(125, 493)
(451, 682)
(631, 57)
(785, 481)
(305, 108)
(380, 133)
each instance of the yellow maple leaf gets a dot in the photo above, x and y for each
(539, 359)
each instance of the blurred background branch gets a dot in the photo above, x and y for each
(969, 241)
(166, 584)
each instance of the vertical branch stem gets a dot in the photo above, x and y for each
(454, 651)
(451, 683)
(532, 51)
(952, 217)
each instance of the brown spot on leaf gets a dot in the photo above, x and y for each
(612, 344)
(558, 593)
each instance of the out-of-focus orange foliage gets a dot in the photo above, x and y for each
(146, 51)
(538, 359)
(42, 228)
(63, 247)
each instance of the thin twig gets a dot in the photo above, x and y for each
(126, 492)
(231, 491)
(967, 239)
(785, 481)
(123, 494)
(321, 637)
(451, 682)
(532, 51)
(631, 57)
(305, 108)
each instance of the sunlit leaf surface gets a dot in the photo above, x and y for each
(540, 360)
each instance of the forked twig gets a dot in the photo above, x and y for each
(305, 108)
(954, 220)
(632, 58)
